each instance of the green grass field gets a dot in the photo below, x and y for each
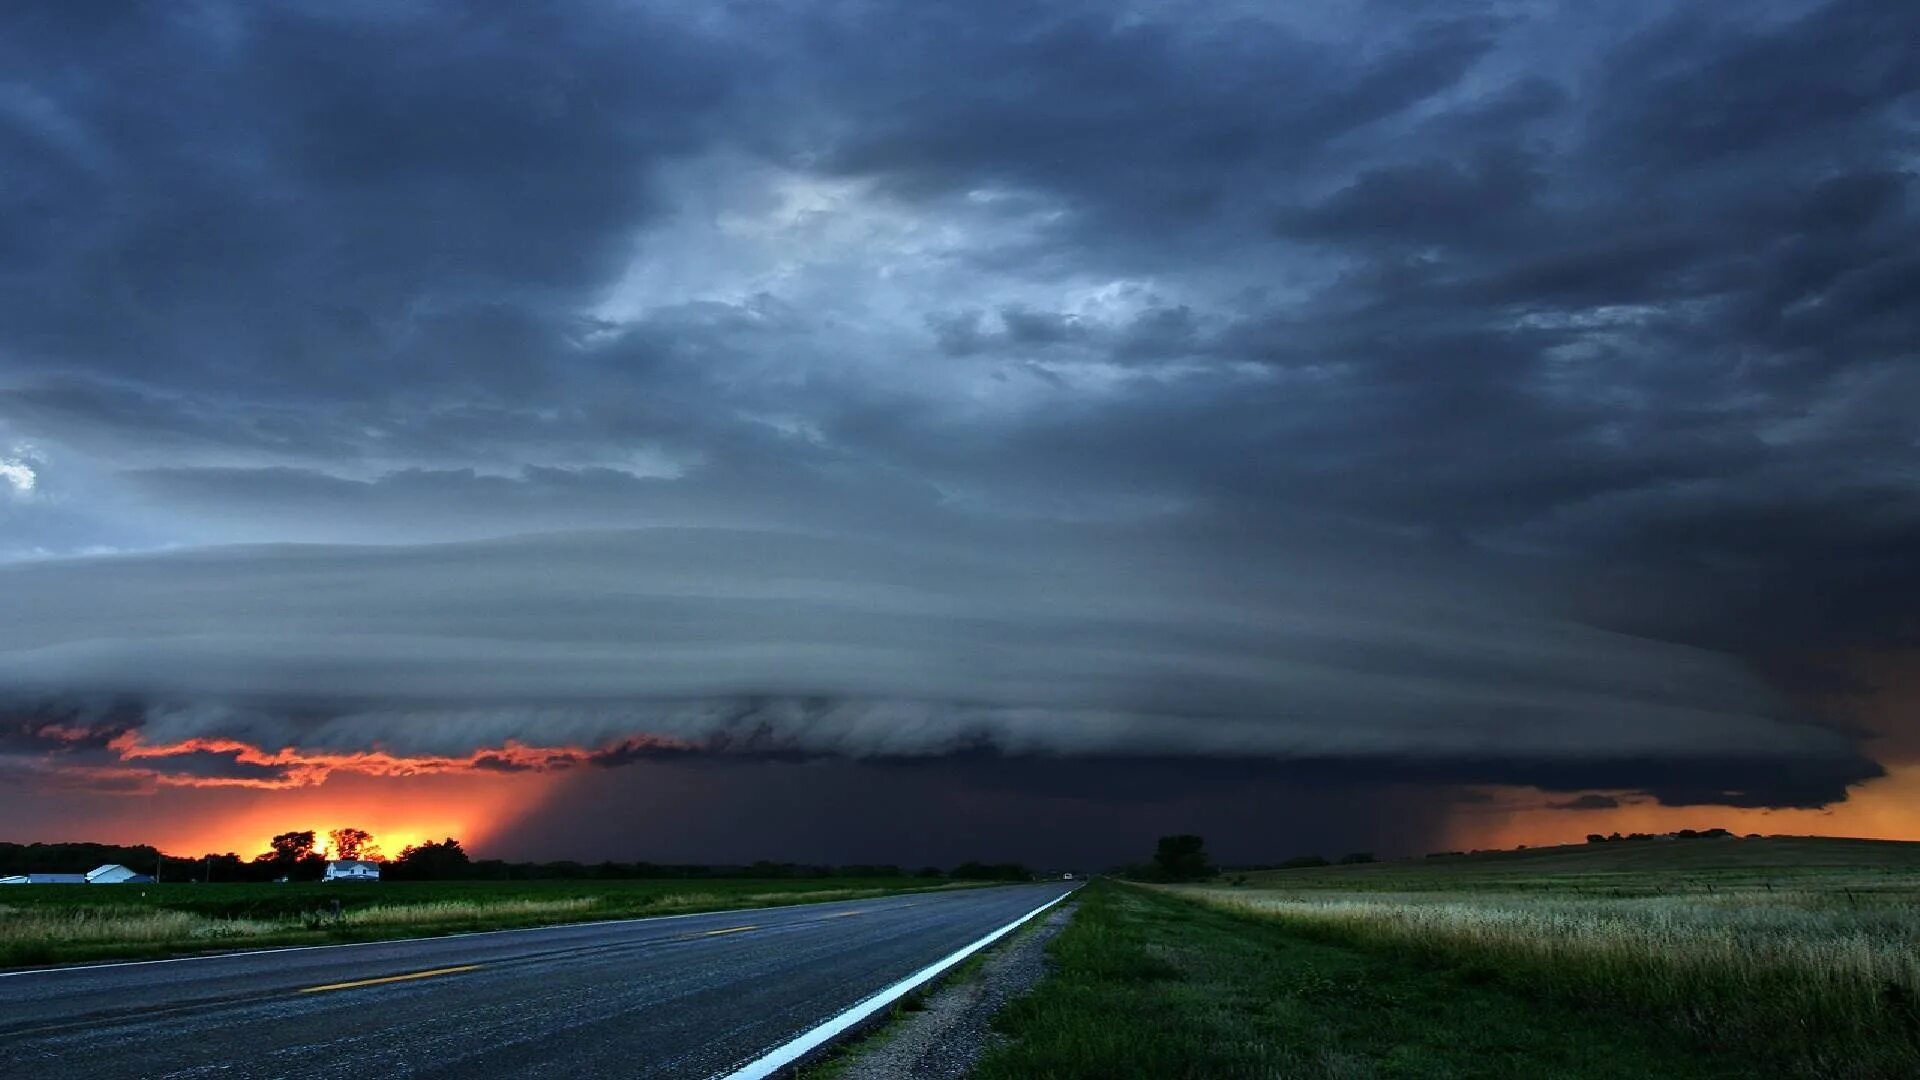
(1785, 957)
(1149, 985)
(1629, 866)
(42, 924)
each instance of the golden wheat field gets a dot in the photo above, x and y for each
(1719, 943)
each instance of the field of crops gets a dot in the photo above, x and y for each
(53, 923)
(1807, 949)
(1716, 958)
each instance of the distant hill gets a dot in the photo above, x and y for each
(1649, 856)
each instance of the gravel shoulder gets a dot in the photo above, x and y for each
(943, 1040)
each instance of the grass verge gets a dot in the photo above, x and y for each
(844, 1054)
(1147, 984)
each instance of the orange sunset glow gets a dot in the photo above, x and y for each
(1068, 482)
(398, 811)
(1884, 809)
(1886, 693)
(215, 795)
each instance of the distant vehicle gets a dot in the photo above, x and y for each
(1068, 876)
(351, 870)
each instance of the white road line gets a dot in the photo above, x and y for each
(788, 1053)
(462, 934)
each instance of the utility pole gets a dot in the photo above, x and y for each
(159, 861)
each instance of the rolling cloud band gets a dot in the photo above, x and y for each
(549, 652)
(1037, 405)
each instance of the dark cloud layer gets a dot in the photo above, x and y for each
(1017, 642)
(1518, 371)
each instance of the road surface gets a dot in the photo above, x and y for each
(691, 996)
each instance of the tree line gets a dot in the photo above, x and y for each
(1184, 857)
(298, 856)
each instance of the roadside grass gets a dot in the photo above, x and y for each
(1151, 985)
(42, 924)
(1824, 982)
(842, 1055)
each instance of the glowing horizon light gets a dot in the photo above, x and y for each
(1885, 808)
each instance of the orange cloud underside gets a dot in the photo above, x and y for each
(301, 768)
(1887, 808)
(397, 810)
(401, 799)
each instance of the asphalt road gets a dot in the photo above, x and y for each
(692, 996)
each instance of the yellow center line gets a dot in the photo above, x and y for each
(729, 930)
(388, 979)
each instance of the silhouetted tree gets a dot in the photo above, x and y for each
(431, 861)
(1181, 858)
(289, 847)
(72, 858)
(1353, 858)
(228, 867)
(291, 855)
(347, 842)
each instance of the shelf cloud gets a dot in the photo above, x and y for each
(1074, 397)
(562, 650)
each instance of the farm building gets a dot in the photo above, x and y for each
(351, 870)
(115, 874)
(109, 874)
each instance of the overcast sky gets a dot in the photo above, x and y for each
(994, 428)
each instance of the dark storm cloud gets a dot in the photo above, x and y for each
(1597, 327)
(1716, 779)
(948, 811)
(1588, 801)
(656, 644)
(81, 745)
(33, 730)
(204, 765)
(264, 195)
(1147, 122)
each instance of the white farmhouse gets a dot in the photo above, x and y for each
(351, 870)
